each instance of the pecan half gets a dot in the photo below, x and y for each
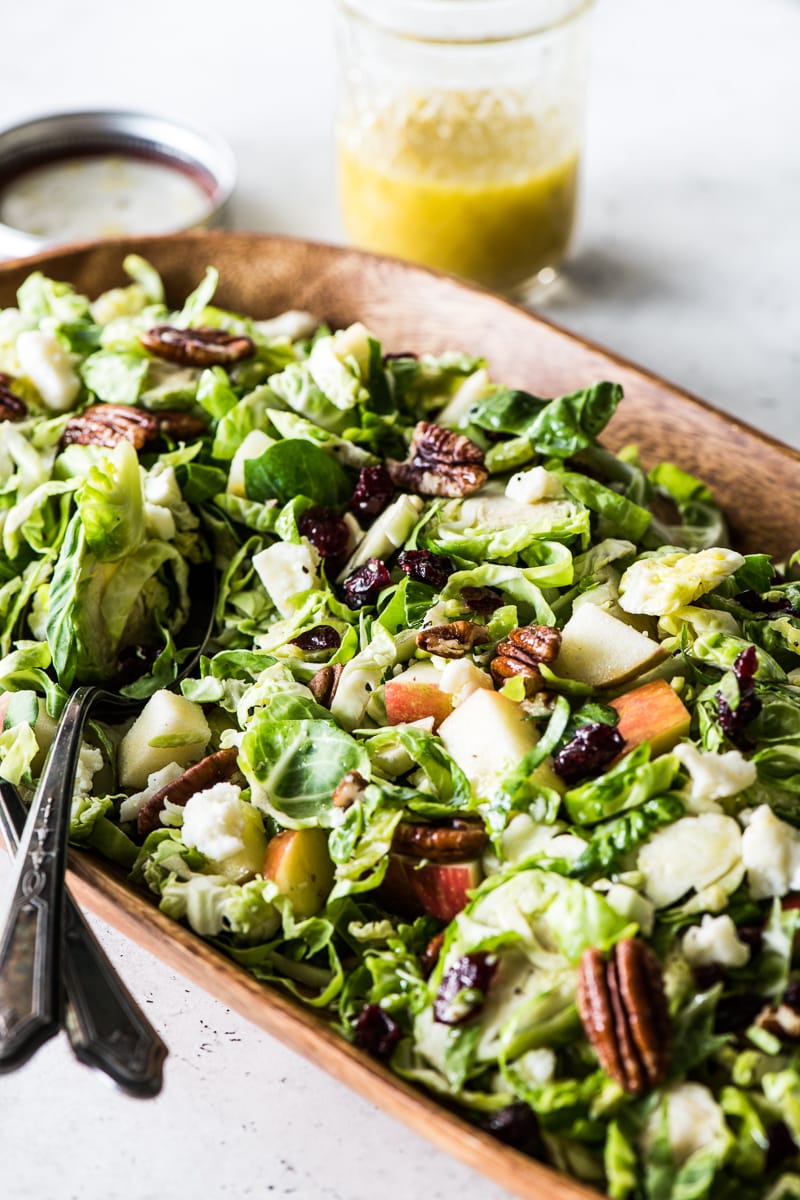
(453, 640)
(214, 768)
(623, 1007)
(12, 408)
(110, 424)
(440, 843)
(201, 347)
(521, 654)
(323, 685)
(348, 789)
(439, 463)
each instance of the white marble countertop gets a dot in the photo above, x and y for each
(686, 261)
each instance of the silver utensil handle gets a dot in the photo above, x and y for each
(106, 1027)
(31, 996)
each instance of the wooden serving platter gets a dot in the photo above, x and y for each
(756, 478)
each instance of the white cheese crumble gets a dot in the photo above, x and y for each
(694, 1121)
(286, 569)
(90, 760)
(159, 522)
(533, 485)
(214, 821)
(771, 855)
(49, 367)
(713, 777)
(714, 940)
(130, 808)
(460, 678)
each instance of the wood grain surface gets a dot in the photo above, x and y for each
(756, 478)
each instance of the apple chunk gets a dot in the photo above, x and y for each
(298, 863)
(413, 887)
(415, 694)
(601, 650)
(488, 735)
(652, 713)
(169, 729)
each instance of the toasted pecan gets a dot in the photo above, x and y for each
(12, 407)
(623, 1007)
(440, 843)
(202, 347)
(439, 463)
(452, 640)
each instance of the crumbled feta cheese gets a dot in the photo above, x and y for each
(49, 367)
(690, 855)
(694, 1121)
(714, 940)
(669, 581)
(771, 855)
(130, 808)
(214, 821)
(90, 760)
(537, 483)
(285, 569)
(460, 678)
(713, 776)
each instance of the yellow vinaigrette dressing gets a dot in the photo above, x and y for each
(466, 182)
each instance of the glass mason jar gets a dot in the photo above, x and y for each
(459, 131)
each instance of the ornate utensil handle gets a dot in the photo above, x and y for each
(30, 943)
(106, 1027)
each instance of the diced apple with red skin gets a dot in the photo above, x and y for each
(652, 713)
(298, 863)
(413, 887)
(415, 694)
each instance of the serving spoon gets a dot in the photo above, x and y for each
(31, 993)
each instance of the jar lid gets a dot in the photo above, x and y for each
(465, 20)
(75, 176)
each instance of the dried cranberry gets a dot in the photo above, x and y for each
(375, 1031)
(365, 584)
(590, 749)
(482, 599)
(325, 529)
(737, 1012)
(516, 1125)
(372, 493)
(423, 566)
(734, 720)
(321, 637)
(708, 975)
(780, 1144)
(462, 993)
(791, 997)
(759, 604)
(752, 936)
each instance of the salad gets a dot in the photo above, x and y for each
(494, 756)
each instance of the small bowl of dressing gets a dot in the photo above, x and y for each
(77, 176)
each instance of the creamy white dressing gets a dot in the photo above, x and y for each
(102, 195)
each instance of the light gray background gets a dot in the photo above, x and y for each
(686, 260)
